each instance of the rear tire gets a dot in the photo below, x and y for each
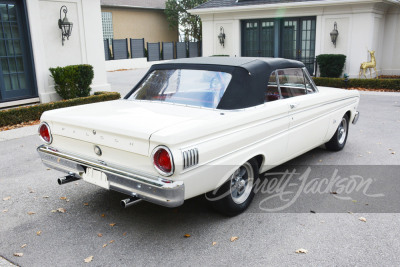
(338, 140)
(236, 194)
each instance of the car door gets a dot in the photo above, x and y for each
(276, 129)
(307, 117)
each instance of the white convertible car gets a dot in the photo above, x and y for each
(196, 126)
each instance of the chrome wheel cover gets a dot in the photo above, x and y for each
(342, 131)
(242, 181)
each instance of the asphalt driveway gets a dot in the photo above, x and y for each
(64, 225)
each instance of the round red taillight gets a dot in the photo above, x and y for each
(44, 132)
(162, 159)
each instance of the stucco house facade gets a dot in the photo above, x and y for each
(31, 43)
(300, 29)
(136, 19)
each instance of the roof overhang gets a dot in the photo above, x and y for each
(132, 7)
(305, 4)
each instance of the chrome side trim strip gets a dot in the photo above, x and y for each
(287, 115)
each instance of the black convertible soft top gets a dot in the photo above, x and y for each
(249, 76)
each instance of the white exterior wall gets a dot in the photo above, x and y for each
(391, 45)
(362, 26)
(85, 45)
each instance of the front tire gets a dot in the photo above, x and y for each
(236, 194)
(338, 140)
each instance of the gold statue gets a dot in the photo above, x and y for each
(368, 65)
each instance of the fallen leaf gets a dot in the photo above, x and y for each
(45, 196)
(103, 215)
(112, 241)
(38, 232)
(63, 198)
(5, 210)
(99, 235)
(48, 169)
(112, 224)
(88, 259)
(18, 254)
(53, 211)
(186, 235)
(234, 238)
(24, 245)
(61, 210)
(393, 152)
(86, 204)
(214, 243)
(31, 213)
(124, 234)
(105, 245)
(362, 219)
(6, 198)
(301, 250)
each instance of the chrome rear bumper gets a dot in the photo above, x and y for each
(150, 188)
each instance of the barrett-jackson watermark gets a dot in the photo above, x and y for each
(286, 187)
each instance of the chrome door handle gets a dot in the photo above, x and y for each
(293, 105)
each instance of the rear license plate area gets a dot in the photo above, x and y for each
(96, 177)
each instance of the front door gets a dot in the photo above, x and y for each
(292, 38)
(259, 38)
(298, 40)
(16, 64)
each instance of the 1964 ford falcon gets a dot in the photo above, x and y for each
(196, 126)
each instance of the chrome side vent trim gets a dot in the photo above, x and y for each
(190, 157)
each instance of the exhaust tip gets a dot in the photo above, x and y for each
(67, 179)
(125, 203)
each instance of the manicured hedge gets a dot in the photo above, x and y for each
(331, 65)
(72, 81)
(392, 84)
(31, 113)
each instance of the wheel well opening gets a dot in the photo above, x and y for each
(260, 160)
(348, 113)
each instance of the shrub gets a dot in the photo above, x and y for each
(30, 113)
(331, 65)
(72, 81)
(391, 84)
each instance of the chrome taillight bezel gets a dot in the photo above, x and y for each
(48, 128)
(160, 171)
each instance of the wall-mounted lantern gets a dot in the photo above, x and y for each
(221, 36)
(334, 34)
(65, 25)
